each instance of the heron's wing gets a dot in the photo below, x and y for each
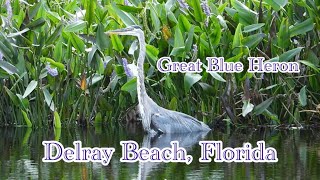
(168, 121)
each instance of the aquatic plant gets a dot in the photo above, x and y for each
(87, 80)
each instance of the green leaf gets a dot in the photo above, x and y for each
(252, 27)
(215, 75)
(190, 79)
(154, 18)
(284, 35)
(90, 6)
(303, 96)
(103, 41)
(77, 42)
(253, 40)
(276, 4)
(12, 96)
(37, 23)
(31, 86)
(246, 108)
(197, 10)
(54, 35)
(130, 87)
(98, 118)
(26, 118)
(8, 67)
(259, 109)
(116, 43)
(189, 39)
(57, 122)
(301, 28)
(310, 65)
(152, 53)
(130, 9)
(272, 116)
(48, 98)
(173, 104)
(126, 18)
(75, 26)
(246, 15)
(178, 38)
(285, 57)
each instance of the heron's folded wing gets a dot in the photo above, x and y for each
(168, 121)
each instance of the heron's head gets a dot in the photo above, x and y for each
(134, 30)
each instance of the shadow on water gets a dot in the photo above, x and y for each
(21, 155)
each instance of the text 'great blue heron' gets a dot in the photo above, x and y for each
(154, 117)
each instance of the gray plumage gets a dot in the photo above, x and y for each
(154, 117)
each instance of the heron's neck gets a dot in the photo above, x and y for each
(140, 79)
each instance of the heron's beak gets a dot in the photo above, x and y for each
(124, 31)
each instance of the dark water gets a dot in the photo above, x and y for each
(21, 154)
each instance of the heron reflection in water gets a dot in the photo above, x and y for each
(156, 119)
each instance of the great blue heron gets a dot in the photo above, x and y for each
(154, 117)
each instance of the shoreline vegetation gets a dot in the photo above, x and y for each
(59, 69)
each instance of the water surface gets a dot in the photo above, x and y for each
(21, 154)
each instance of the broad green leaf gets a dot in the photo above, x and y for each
(98, 118)
(237, 39)
(252, 27)
(303, 96)
(48, 98)
(12, 96)
(54, 16)
(276, 4)
(301, 28)
(8, 67)
(310, 65)
(94, 79)
(207, 88)
(253, 40)
(103, 41)
(178, 38)
(285, 57)
(246, 15)
(26, 118)
(116, 43)
(259, 109)
(272, 116)
(152, 53)
(173, 104)
(37, 23)
(197, 10)
(190, 79)
(131, 87)
(57, 122)
(215, 75)
(184, 23)
(54, 35)
(126, 18)
(77, 42)
(154, 18)
(90, 6)
(75, 26)
(284, 35)
(5, 50)
(246, 108)
(189, 39)
(31, 86)
(177, 51)
(130, 9)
